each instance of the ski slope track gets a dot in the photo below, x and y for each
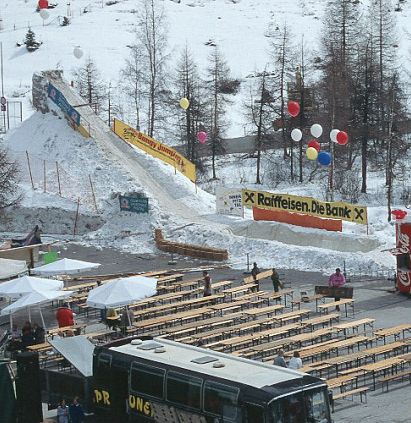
(136, 165)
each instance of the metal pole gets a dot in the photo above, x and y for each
(75, 221)
(93, 194)
(44, 176)
(2, 80)
(248, 262)
(31, 175)
(58, 177)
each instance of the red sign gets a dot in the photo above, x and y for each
(403, 259)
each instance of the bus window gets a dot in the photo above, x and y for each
(289, 409)
(221, 400)
(316, 406)
(147, 380)
(184, 389)
(254, 413)
(306, 407)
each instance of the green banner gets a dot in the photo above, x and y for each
(134, 204)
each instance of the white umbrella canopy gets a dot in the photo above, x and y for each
(31, 299)
(64, 267)
(34, 298)
(19, 287)
(122, 292)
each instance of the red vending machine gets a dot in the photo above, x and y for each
(403, 244)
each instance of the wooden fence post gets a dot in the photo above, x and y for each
(92, 192)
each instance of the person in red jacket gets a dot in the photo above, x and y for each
(65, 316)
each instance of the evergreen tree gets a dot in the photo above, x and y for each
(218, 74)
(30, 41)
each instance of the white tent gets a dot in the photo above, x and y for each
(122, 292)
(64, 267)
(18, 287)
(34, 298)
(10, 268)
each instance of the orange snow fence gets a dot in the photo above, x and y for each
(298, 219)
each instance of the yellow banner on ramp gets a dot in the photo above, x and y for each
(155, 149)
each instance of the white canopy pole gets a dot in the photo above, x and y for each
(29, 315)
(128, 315)
(11, 321)
(42, 319)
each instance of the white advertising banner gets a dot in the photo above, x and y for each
(229, 201)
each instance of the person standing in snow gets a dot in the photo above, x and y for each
(336, 280)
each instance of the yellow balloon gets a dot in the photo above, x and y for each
(184, 103)
(312, 153)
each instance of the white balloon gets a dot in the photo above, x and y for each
(44, 14)
(333, 135)
(316, 130)
(296, 134)
(78, 52)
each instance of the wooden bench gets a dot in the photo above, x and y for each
(354, 325)
(394, 330)
(308, 299)
(345, 303)
(385, 380)
(361, 391)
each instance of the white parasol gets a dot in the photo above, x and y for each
(64, 267)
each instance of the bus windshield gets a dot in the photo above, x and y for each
(302, 407)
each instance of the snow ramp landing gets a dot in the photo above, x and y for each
(305, 237)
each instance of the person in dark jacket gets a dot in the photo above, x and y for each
(207, 284)
(38, 333)
(255, 271)
(76, 412)
(275, 278)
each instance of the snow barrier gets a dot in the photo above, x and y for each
(190, 250)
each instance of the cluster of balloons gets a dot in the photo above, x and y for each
(201, 136)
(313, 148)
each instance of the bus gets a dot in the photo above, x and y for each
(158, 380)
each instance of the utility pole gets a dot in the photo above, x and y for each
(3, 99)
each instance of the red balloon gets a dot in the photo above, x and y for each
(293, 108)
(315, 144)
(342, 138)
(399, 214)
(43, 4)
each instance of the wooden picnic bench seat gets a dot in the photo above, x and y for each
(401, 375)
(326, 319)
(269, 311)
(292, 315)
(334, 304)
(81, 287)
(242, 289)
(221, 285)
(354, 325)
(308, 299)
(393, 330)
(361, 391)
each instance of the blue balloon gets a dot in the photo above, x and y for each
(324, 158)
